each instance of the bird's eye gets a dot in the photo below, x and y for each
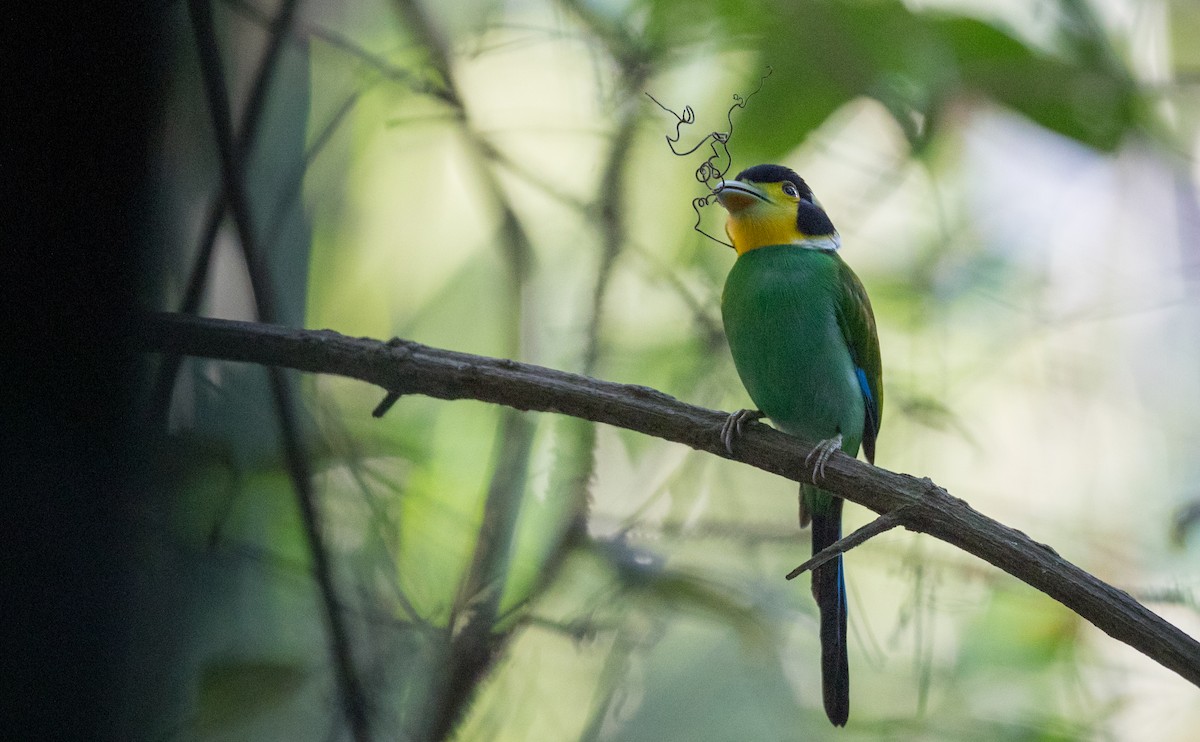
(789, 189)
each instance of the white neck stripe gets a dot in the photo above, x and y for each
(824, 242)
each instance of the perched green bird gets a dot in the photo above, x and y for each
(804, 342)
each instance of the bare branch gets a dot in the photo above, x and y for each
(882, 524)
(920, 505)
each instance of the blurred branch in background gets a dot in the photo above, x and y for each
(1186, 520)
(474, 642)
(246, 136)
(232, 153)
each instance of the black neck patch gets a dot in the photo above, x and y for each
(812, 220)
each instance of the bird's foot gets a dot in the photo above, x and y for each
(820, 454)
(733, 426)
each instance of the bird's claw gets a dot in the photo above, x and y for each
(734, 425)
(820, 454)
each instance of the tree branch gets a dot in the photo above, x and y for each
(920, 505)
(882, 524)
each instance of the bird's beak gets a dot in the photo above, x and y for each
(736, 195)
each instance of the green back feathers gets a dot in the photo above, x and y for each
(857, 322)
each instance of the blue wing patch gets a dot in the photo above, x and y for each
(865, 387)
(872, 417)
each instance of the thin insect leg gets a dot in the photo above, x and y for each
(712, 168)
(697, 203)
(688, 117)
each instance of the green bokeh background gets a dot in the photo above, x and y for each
(1015, 185)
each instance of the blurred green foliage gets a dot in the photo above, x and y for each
(490, 178)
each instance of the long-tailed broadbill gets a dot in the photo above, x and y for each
(804, 342)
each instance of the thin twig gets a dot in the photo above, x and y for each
(885, 522)
(369, 60)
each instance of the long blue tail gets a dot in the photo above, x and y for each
(829, 590)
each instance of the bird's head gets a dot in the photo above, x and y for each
(771, 205)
